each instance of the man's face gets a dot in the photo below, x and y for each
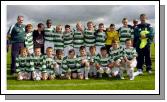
(49, 52)
(90, 26)
(125, 22)
(20, 20)
(49, 24)
(103, 52)
(101, 28)
(128, 44)
(143, 18)
(67, 30)
(37, 52)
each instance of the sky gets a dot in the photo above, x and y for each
(70, 14)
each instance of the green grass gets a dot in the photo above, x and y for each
(142, 82)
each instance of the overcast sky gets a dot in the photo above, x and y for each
(70, 14)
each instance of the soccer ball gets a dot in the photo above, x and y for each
(38, 78)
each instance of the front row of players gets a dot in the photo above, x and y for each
(50, 66)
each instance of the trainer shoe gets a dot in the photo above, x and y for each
(149, 72)
(132, 78)
(86, 78)
(109, 76)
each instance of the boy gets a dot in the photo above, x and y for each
(83, 59)
(143, 38)
(59, 59)
(48, 71)
(129, 59)
(37, 58)
(92, 55)
(100, 37)
(78, 38)
(68, 39)
(70, 66)
(48, 35)
(125, 32)
(89, 37)
(103, 62)
(112, 34)
(29, 39)
(24, 65)
(58, 39)
(116, 53)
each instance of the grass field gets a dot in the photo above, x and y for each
(142, 82)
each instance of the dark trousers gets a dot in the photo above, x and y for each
(15, 52)
(144, 56)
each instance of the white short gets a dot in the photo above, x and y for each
(104, 70)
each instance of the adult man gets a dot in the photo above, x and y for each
(16, 34)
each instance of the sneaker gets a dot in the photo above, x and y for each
(149, 72)
(109, 76)
(132, 78)
(100, 76)
(122, 78)
(138, 73)
(86, 78)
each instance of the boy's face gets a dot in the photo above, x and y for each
(83, 52)
(112, 28)
(101, 28)
(143, 18)
(67, 30)
(128, 44)
(71, 55)
(92, 50)
(29, 29)
(90, 26)
(115, 45)
(125, 22)
(37, 52)
(49, 24)
(58, 29)
(41, 28)
(79, 26)
(24, 53)
(49, 52)
(103, 52)
(59, 55)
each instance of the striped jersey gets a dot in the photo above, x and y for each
(49, 34)
(103, 61)
(59, 61)
(24, 64)
(38, 61)
(89, 38)
(100, 38)
(116, 53)
(92, 57)
(68, 39)
(49, 64)
(130, 53)
(58, 41)
(80, 58)
(29, 41)
(125, 33)
(78, 39)
(71, 64)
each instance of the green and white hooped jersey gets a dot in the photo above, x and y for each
(24, 64)
(49, 63)
(116, 53)
(38, 61)
(49, 34)
(103, 61)
(100, 38)
(58, 41)
(89, 38)
(80, 58)
(130, 53)
(78, 39)
(29, 41)
(59, 61)
(125, 33)
(68, 39)
(92, 57)
(71, 64)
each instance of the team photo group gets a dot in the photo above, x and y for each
(81, 52)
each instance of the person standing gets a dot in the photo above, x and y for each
(16, 34)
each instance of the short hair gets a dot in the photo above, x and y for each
(124, 19)
(101, 24)
(115, 41)
(67, 26)
(71, 51)
(19, 16)
(82, 48)
(143, 14)
(37, 48)
(103, 48)
(59, 51)
(91, 47)
(89, 22)
(28, 26)
(23, 49)
(112, 25)
(48, 20)
(49, 48)
(40, 25)
(128, 40)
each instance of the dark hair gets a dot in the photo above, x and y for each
(19, 16)
(48, 20)
(124, 19)
(91, 47)
(103, 48)
(142, 14)
(67, 26)
(40, 25)
(112, 25)
(71, 51)
(59, 51)
(82, 48)
(101, 24)
(128, 40)
(115, 41)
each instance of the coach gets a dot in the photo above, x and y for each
(16, 34)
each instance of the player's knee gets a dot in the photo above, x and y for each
(44, 76)
(74, 75)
